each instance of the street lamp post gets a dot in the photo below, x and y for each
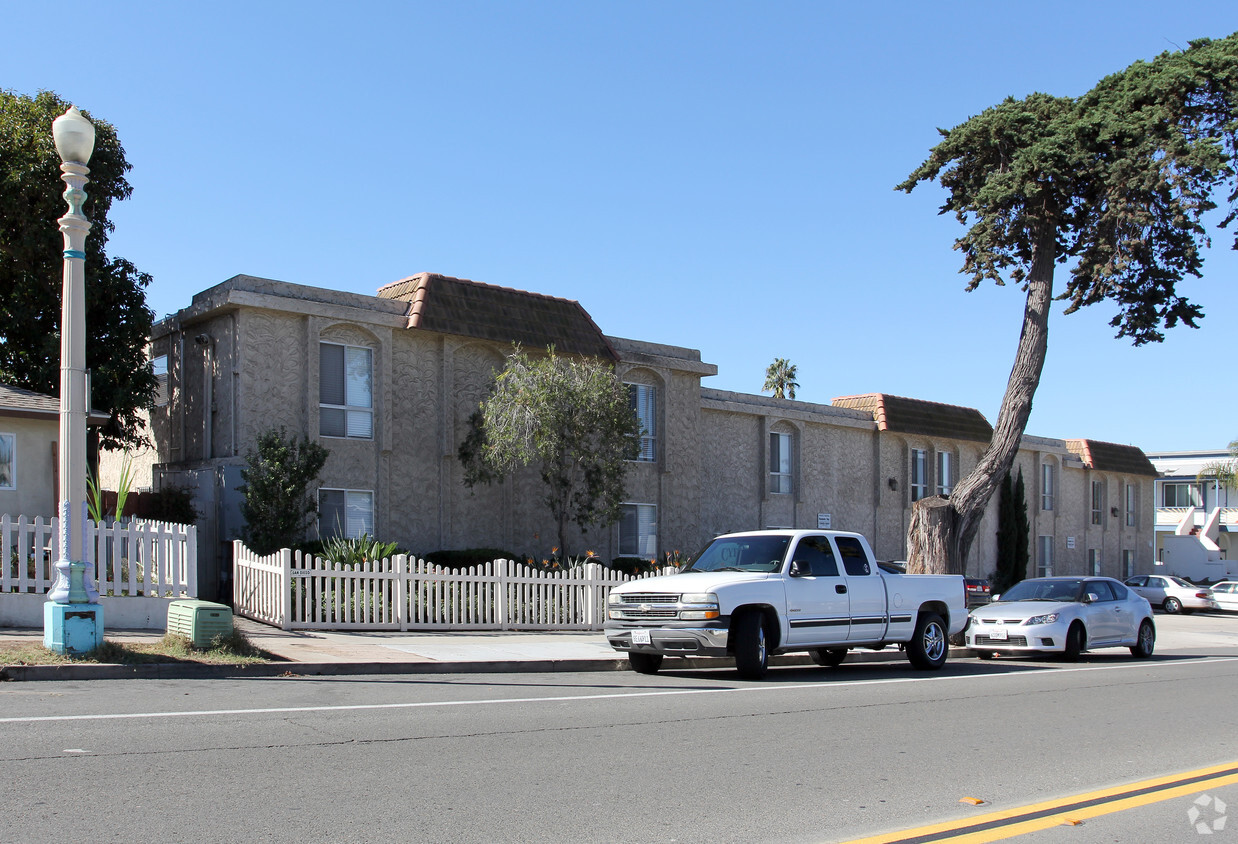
(73, 616)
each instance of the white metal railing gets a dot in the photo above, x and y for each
(299, 591)
(135, 558)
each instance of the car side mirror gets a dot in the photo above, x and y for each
(1091, 598)
(997, 597)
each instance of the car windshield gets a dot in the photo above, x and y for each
(1044, 590)
(742, 553)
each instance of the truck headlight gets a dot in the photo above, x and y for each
(614, 598)
(698, 606)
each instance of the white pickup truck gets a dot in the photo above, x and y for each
(749, 595)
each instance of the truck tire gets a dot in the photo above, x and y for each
(645, 663)
(928, 647)
(751, 654)
(828, 657)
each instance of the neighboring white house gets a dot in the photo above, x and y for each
(1196, 517)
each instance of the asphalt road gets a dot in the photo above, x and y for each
(807, 755)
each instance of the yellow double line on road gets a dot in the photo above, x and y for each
(1009, 823)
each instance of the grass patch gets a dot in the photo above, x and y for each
(233, 649)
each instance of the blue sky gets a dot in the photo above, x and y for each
(712, 175)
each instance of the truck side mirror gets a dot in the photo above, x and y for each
(796, 569)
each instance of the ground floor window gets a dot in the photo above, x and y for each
(638, 531)
(1128, 564)
(1094, 562)
(345, 512)
(1044, 556)
(8, 461)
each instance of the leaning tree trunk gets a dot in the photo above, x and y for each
(942, 529)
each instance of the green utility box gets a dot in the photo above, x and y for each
(199, 621)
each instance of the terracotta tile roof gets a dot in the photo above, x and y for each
(916, 416)
(1111, 457)
(487, 312)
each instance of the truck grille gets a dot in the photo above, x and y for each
(650, 598)
(638, 606)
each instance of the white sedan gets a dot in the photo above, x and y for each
(1172, 594)
(1225, 594)
(1065, 615)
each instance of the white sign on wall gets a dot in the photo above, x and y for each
(1070, 542)
(823, 521)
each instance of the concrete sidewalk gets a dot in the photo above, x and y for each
(321, 652)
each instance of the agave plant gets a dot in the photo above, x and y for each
(353, 551)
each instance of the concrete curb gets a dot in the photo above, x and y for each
(201, 671)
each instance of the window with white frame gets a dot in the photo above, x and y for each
(945, 475)
(1094, 562)
(1128, 564)
(643, 399)
(1044, 556)
(159, 366)
(8, 461)
(1046, 486)
(1132, 505)
(346, 391)
(638, 531)
(345, 512)
(1098, 502)
(919, 474)
(779, 463)
(1181, 495)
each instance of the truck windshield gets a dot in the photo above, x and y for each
(742, 553)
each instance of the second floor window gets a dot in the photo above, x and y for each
(346, 391)
(642, 397)
(1098, 502)
(1046, 486)
(780, 463)
(919, 474)
(1181, 495)
(159, 366)
(1132, 505)
(945, 475)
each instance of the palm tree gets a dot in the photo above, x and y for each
(780, 378)
(1224, 472)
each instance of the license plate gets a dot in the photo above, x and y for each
(997, 633)
(641, 637)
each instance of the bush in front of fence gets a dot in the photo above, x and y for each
(468, 557)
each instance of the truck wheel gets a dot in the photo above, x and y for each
(751, 656)
(828, 657)
(928, 647)
(645, 663)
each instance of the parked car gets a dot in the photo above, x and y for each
(1172, 594)
(1225, 594)
(1066, 615)
(977, 591)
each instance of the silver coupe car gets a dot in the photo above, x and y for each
(1063, 615)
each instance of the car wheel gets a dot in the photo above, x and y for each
(751, 655)
(1172, 605)
(645, 663)
(928, 648)
(1076, 641)
(828, 657)
(1146, 642)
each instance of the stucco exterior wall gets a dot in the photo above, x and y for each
(34, 491)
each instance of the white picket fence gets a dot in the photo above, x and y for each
(137, 558)
(299, 591)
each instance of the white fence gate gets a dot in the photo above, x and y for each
(299, 591)
(137, 558)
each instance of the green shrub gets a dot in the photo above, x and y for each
(633, 565)
(467, 557)
(172, 504)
